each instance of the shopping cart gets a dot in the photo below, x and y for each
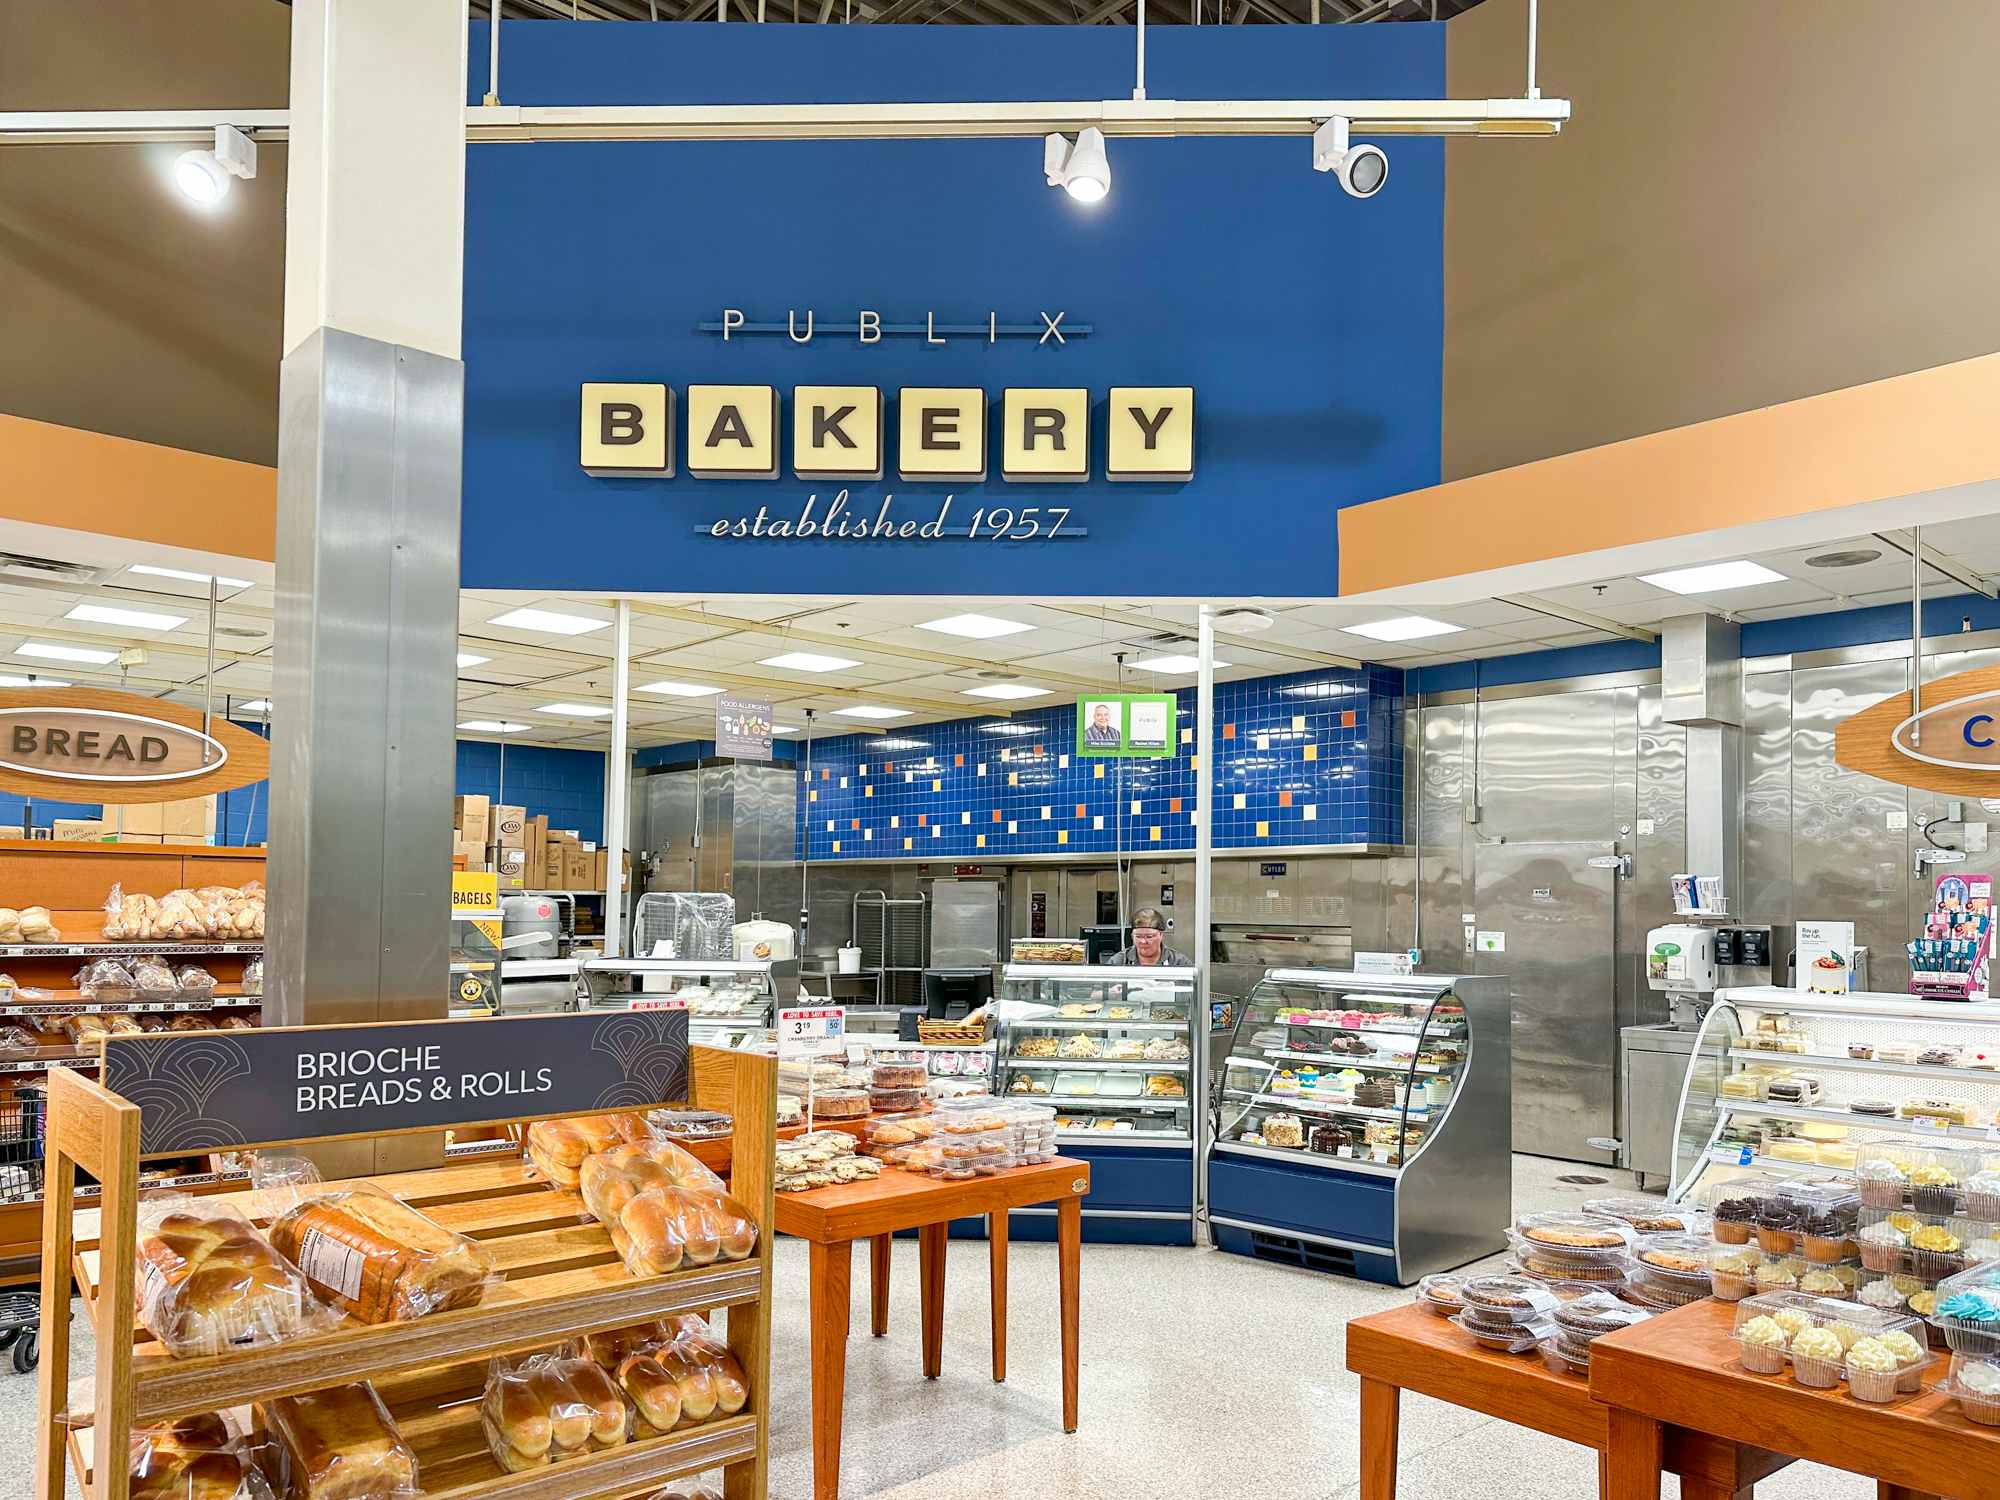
(22, 1120)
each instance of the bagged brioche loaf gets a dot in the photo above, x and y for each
(207, 1281)
(558, 1148)
(682, 1382)
(375, 1257)
(194, 1458)
(341, 1444)
(550, 1407)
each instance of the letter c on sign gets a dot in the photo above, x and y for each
(1978, 721)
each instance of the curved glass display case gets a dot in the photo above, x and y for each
(1113, 1050)
(1789, 1081)
(1368, 1118)
(728, 1003)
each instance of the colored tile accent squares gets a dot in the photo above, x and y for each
(1316, 758)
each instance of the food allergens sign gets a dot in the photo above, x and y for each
(211, 1091)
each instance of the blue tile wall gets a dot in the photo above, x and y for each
(565, 786)
(1310, 758)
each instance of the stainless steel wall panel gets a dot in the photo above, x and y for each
(1767, 800)
(1658, 845)
(1848, 864)
(1544, 769)
(1444, 889)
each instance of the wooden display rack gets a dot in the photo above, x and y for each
(562, 1278)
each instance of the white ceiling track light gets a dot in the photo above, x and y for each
(1080, 167)
(1362, 170)
(207, 175)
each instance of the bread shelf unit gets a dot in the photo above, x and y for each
(563, 1277)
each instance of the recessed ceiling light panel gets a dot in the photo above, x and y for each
(1402, 628)
(1009, 690)
(872, 711)
(574, 711)
(1173, 665)
(975, 627)
(491, 726)
(9, 681)
(808, 661)
(1713, 578)
(678, 689)
(186, 577)
(549, 622)
(131, 619)
(467, 659)
(48, 651)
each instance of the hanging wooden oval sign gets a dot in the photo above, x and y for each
(1952, 745)
(91, 745)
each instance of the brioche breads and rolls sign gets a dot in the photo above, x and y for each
(1951, 745)
(221, 1090)
(87, 745)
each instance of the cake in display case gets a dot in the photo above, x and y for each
(1362, 1123)
(1111, 1049)
(727, 1003)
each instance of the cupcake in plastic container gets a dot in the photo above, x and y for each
(1934, 1189)
(1911, 1360)
(1936, 1252)
(1762, 1342)
(1817, 1358)
(1873, 1371)
(1982, 1196)
(1732, 1274)
(1881, 1245)
(1970, 1318)
(1735, 1218)
(1975, 1381)
(1882, 1182)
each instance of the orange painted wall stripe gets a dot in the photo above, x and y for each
(1924, 431)
(88, 481)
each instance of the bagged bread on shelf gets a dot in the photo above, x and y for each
(680, 1489)
(377, 1259)
(229, 914)
(659, 1229)
(8, 983)
(90, 1027)
(549, 1407)
(610, 1179)
(341, 1444)
(195, 1458)
(128, 919)
(153, 978)
(10, 928)
(36, 926)
(732, 1390)
(609, 1346)
(253, 977)
(17, 1039)
(282, 1171)
(557, 1148)
(208, 1282)
(193, 982)
(106, 979)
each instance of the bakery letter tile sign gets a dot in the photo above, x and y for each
(211, 1091)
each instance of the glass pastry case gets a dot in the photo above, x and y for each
(1363, 1122)
(728, 1003)
(1112, 1049)
(1809, 1085)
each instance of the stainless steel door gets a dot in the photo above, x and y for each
(1559, 916)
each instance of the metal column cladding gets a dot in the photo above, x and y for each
(369, 438)
(1701, 686)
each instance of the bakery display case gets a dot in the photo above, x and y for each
(728, 1003)
(1362, 1123)
(1813, 1085)
(1112, 1050)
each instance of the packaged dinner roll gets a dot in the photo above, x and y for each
(611, 1179)
(557, 1148)
(663, 1227)
(732, 1390)
(549, 1407)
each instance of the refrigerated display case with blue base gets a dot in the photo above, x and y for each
(1112, 1048)
(1363, 1123)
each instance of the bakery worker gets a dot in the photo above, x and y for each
(1149, 943)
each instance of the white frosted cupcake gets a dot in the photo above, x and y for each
(1872, 1371)
(1911, 1357)
(1816, 1358)
(1763, 1343)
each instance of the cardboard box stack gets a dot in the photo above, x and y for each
(469, 819)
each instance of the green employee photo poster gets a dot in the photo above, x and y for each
(1125, 725)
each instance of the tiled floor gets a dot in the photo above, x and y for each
(1204, 1375)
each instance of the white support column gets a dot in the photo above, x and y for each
(617, 781)
(1204, 887)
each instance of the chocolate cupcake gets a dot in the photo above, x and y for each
(1825, 1238)
(1733, 1220)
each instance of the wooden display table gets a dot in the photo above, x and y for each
(833, 1218)
(1682, 1368)
(1412, 1348)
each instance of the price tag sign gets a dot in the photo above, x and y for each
(814, 1031)
(1730, 1156)
(1930, 1122)
(661, 1002)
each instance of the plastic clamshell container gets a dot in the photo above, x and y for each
(1584, 1318)
(1974, 1381)
(1648, 1215)
(969, 1154)
(1561, 1361)
(897, 1075)
(905, 1052)
(1440, 1292)
(1515, 1338)
(1967, 1295)
(1673, 1257)
(1794, 1312)
(840, 1104)
(1510, 1299)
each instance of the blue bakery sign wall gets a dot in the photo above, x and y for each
(1308, 323)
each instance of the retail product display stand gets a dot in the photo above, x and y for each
(1727, 1121)
(1405, 1172)
(562, 1278)
(1136, 1118)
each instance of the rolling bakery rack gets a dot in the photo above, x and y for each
(562, 1278)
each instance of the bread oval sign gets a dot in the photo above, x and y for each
(1950, 744)
(120, 748)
